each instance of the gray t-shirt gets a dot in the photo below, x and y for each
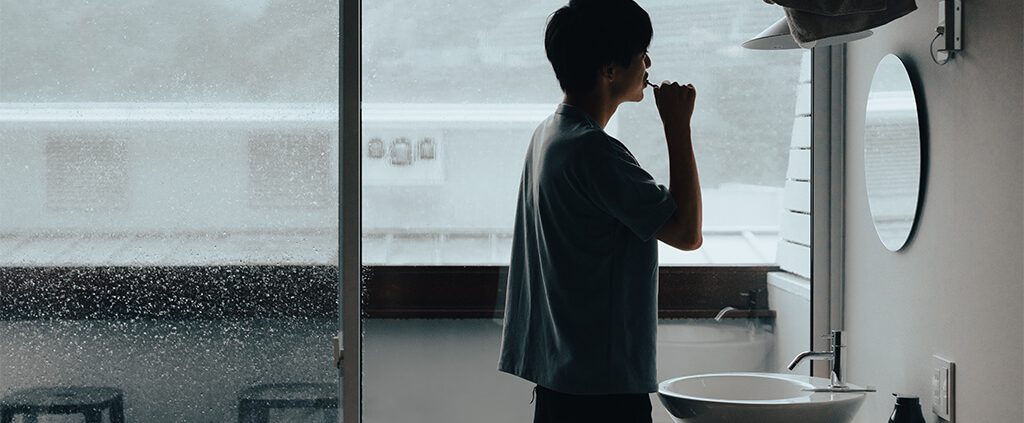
(581, 306)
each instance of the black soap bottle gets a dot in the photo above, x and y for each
(908, 410)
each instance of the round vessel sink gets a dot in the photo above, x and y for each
(756, 398)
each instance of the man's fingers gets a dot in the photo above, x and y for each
(672, 91)
(667, 83)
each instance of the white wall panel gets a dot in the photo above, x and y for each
(796, 227)
(799, 165)
(795, 258)
(797, 196)
(801, 137)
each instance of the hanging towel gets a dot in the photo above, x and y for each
(813, 20)
(833, 7)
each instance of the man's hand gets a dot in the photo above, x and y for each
(675, 103)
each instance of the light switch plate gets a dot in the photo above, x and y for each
(943, 387)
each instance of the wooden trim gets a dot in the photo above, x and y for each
(439, 292)
(712, 288)
(479, 291)
(389, 292)
(483, 313)
(711, 314)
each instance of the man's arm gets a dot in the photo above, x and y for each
(683, 228)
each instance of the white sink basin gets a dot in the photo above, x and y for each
(756, 398)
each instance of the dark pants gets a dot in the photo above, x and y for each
(556, 407)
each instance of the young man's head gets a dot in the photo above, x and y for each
(600, 43)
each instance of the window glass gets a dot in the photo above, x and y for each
(200, 132)
(472, 79)
(452, 91)
(168, 202)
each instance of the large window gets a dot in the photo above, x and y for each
(452, 91)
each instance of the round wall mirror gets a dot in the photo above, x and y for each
(892, 153)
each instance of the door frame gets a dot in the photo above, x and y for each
(827, 196)
(349, 210)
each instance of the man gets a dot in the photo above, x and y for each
(581, 307)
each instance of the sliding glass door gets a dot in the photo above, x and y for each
(169, 208)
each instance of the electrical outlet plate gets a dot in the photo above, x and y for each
(418, 168)
(943, 387)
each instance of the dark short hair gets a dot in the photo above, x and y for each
(586, 35)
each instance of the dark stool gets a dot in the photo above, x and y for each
(255, 402)
(86, 400)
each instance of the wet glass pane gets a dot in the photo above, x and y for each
(168, 206)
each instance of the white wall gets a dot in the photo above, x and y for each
(957, 288)
(444, 370)
(790, 296)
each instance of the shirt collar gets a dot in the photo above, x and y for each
(575, 113)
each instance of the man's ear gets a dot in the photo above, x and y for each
(609, 72)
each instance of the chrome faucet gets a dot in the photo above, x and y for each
(834, 354)
(752, 304)
(722, 313)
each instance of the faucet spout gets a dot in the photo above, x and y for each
(722, 313)
(834, 355)
(813, 355)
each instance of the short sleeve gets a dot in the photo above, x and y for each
(612, 179)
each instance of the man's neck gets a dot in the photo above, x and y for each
(598, 106)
